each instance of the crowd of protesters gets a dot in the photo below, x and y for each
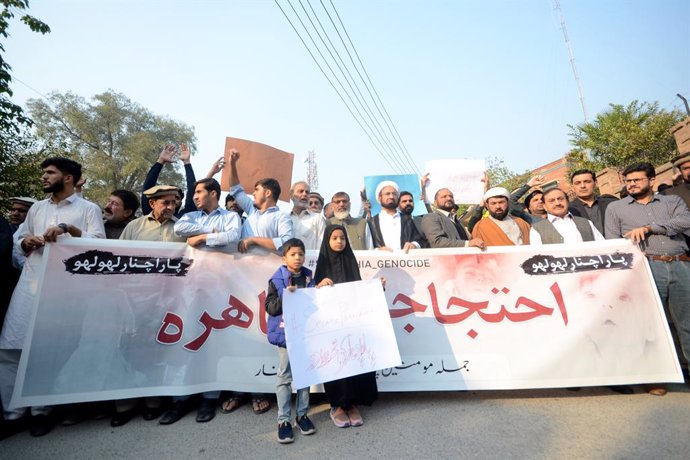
(656, 218)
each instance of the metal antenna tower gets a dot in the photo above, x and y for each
(580, 91)
(312, 171)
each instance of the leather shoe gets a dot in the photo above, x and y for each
(622, 389)
(121, 418)
(207, 410)
(656, 389)
(152, 413)
(40, 425)
(173, 415)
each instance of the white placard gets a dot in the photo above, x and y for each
(462, 177)
(338, 331)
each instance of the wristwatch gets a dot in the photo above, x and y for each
(64, 228)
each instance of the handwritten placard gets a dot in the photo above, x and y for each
(338, 331)
(462, 177)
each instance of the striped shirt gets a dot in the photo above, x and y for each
(668, 216)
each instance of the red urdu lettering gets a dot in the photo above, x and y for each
(262, 313)
(471, 307)
(413, 306)
(558, 295)
(243, 319)
(165, 337)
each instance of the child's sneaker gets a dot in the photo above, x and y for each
(285, 435)
(305, 425)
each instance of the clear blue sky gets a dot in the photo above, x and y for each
(460, 79)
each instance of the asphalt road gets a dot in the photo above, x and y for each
(591, 423)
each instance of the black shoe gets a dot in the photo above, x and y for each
(121, 418)
(152, 413)
(171, 416)
(207, 410)
(11, 427)
(40, 425)
(622, 389)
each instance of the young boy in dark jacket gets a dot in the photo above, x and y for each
(291, 275)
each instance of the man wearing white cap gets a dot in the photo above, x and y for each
(560, 226)
(442, 229)
(500, 228)
(19, 207)
(307, 225)
(391, 230)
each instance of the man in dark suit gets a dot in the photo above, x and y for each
(442, 228)
(391, 230)
(587, 204)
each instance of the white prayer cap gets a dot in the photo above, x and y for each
(25, 200)
(496, 192)
(386, 183)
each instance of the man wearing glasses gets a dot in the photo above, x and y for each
(657, 224)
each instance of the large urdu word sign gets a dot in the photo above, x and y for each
(120, 319)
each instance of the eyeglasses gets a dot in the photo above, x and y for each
(636, 181)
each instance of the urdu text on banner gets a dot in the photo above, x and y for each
(121, 319)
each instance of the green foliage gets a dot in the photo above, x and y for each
(623, 135)
(501, 176)
(12, 118)
(115, 139)
(19, 168)
(19, 156)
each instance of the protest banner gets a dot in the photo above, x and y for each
(462, 177)
(337, 331)
(119, 319)
(258, 161)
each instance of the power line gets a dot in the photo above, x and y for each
(408, 156)
(380, 137)
(356, 90)
(394, 167)
(397, 158)
(332, 85)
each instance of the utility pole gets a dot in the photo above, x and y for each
(580, 91)
(312, 171)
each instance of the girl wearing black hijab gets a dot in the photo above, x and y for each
(337, 264)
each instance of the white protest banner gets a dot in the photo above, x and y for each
(338, 331)
(119, 319)
(463, 177)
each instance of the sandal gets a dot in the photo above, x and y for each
(355, 417)
(230, 405)
(339, 417)
(260, 405)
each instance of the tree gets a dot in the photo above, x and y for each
(115, 139)
(18, 156)
(501, 176)
(623, 135)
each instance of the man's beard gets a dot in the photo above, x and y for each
(56, 187)
(407, 209)
(341, 215)
(499, 215)
(642, 193)
(390, 206)
(304, 204)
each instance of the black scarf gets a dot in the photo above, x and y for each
(340, 267)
